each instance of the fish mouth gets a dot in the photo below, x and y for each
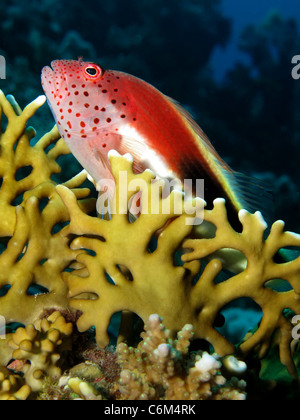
(47, 78)
(52, 81)
(56, 78)
(55, 73)
(47, 73)
(56, 65)
(51, 72)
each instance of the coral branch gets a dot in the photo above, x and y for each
(33, 251)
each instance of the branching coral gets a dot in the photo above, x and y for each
(18, 154)
(33, 252)
(41, 345)
(254, 281)
(126, 275)
(160, 369)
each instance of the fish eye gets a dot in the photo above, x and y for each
(92, 71)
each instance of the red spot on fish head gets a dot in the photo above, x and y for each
(85, 96)
(67, 83)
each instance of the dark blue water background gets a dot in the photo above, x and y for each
(243, 13)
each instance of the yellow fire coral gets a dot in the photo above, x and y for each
(125, 275)
(17, 155)
(32, 253)
(253, 282)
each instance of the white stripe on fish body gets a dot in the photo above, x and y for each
(148, 158)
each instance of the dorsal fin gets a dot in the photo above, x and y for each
(244, 192)
(199, 133)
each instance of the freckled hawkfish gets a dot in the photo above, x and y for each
(99, 110)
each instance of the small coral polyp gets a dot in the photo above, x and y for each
(40, 346)
(12, 387)
(150, 265)
(158, 369)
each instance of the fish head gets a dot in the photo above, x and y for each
(73, 90)
(89, 105)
